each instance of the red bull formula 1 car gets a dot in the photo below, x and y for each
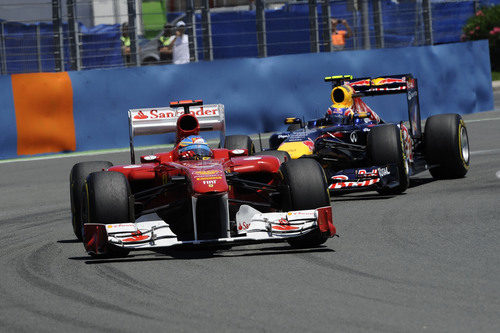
(194, 195)
(358, 150)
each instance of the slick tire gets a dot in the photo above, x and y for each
(239, 142)
(107, 201)
(77, 178)
(446, 146)
(385, 146)
(283, 156)
(307, 190)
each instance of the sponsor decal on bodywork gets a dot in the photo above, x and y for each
(407, 143)
(364, 183)
(284, 225)
(206, 172)
(383, 172)
(165, 113)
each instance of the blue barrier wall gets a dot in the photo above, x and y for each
(8, 132)
(259, 93)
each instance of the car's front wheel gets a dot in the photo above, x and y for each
(385, 146)
(77, 178)
(307, 190)
(106, 201)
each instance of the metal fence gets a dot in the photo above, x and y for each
(58, 35)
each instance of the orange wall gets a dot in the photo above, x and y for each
(44, 113)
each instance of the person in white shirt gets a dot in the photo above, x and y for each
(181, 45)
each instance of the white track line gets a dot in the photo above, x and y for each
(113, 151)
(485, 152)
(477, 120)
(121, 150)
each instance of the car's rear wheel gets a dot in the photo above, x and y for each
(77, 178)
(446, 146)
(307, 190)
(283, 156)
(385, 146)
(239, 142)
(106, 201)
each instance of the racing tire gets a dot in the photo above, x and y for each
(385, 146)
(77, 178)
(446, 146)
(283, 156)
(307, 190)
(107, 201)
(239, 142)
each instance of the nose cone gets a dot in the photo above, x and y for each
(208, 178)
(297, 149)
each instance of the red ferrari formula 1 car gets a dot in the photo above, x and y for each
(197, 195)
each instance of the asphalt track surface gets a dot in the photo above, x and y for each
(426, 261)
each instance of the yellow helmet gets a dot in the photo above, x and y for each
(342, 96)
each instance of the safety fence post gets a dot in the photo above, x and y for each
(132, 32)
(58, 35)
(3, 52)
(365, 24)
(378, 23)
(477, 5)
(260, 20)
(38, 48)
(313, 25)
(191, 30)
(74, 41)
(327, 25)
(353, 7)
(206, 28)
(427, 18)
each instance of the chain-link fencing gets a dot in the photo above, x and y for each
(58, 35)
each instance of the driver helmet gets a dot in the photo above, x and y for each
(337, 115)
(194, 147)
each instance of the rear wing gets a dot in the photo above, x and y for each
(386, 85)
(148, 121)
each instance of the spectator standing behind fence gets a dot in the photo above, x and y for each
(166, 44)
(339, 36)
(125, 39)
(181, 44)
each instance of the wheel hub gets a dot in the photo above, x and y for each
(464, 143)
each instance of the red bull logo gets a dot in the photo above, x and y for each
(382, 81)
(360, 83)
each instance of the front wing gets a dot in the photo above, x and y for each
(366, 178)
(252, 227)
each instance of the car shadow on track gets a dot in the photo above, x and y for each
(202, 254)
(415, 182)
(69, 241)
(355, 196)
